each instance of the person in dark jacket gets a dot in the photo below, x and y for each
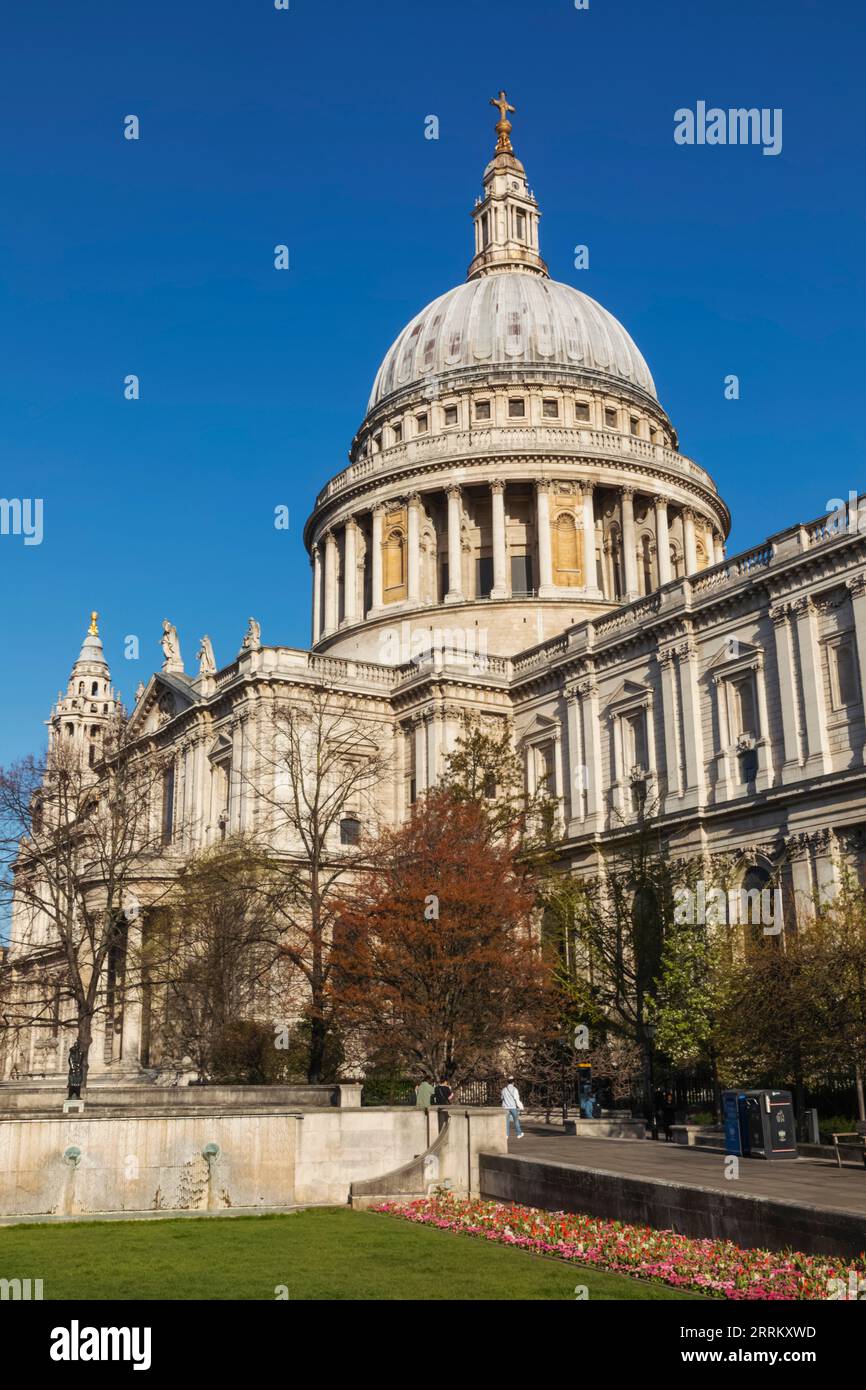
(442, 1093)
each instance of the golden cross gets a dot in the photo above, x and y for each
(503, 125)
(503, 104)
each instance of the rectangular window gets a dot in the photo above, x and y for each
(545, 781)
(521, 574)
(843, 674)
(520, 224)
(550, 410)
(451, 415)
(397, 427)
(581, 410)
(636, 741)
(634, 425)
(482, 410)
(745, 707)
(516, 408)
(485, 230)
(610, 417)
(168, 805)
(483, 576)
(422, 423)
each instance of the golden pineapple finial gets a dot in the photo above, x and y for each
(93, 630)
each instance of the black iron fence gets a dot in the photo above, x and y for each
(692, 1091)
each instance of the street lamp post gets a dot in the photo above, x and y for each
(650, 1030)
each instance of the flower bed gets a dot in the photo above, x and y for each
(716, 1268)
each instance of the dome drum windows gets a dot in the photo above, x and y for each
(395, 556)
(567, 551)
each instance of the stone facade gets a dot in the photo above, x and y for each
(517, 536)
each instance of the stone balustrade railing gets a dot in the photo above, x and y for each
(497, 439)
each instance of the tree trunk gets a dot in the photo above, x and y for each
(85, 1039)
(318, 1039)
(861, 1101)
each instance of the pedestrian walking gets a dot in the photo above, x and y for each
(512, 1105)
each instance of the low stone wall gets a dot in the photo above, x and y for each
(450, 1161)
(606, 1129)
(18, 1099)
(196, 1159)
(749, 1221)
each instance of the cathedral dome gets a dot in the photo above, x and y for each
(511, 318)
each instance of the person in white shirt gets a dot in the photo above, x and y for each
(512, 1104)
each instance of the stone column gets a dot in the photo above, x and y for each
(670, 713)
(500, 549)
(592, 733)
(629, 544)
(663, 539)
(414, 542)
(420, 756)
(330, 583)
(589, 565)
(690, 550)
(817, 758)
(130, 1037)
(542, 527)
(317, 593)
(693, 737)
(765, 743)
(350, 573)
(376, 559)
(576, 760)
(455, 553)
(857, 588)
(780, 616)
(433, 745)
(718, 549)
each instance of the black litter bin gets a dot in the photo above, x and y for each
(767, 1124)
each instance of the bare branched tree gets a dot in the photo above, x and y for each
(74, 840)
(319, 783)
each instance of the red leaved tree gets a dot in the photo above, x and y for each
(437, 966)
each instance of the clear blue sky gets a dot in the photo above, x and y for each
(306, 127)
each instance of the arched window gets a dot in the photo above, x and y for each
(567, 557)
(94, 689)
(350, 830)
(394, 566)
(676, 561)
(759, 909)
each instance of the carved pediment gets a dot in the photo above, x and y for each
(630, 693)
(541, 726)
(164, 697)
(733, 653)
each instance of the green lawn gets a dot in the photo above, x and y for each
(321, 1253)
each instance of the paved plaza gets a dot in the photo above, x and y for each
(810, 1181)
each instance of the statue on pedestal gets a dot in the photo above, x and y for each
(76, 1072)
